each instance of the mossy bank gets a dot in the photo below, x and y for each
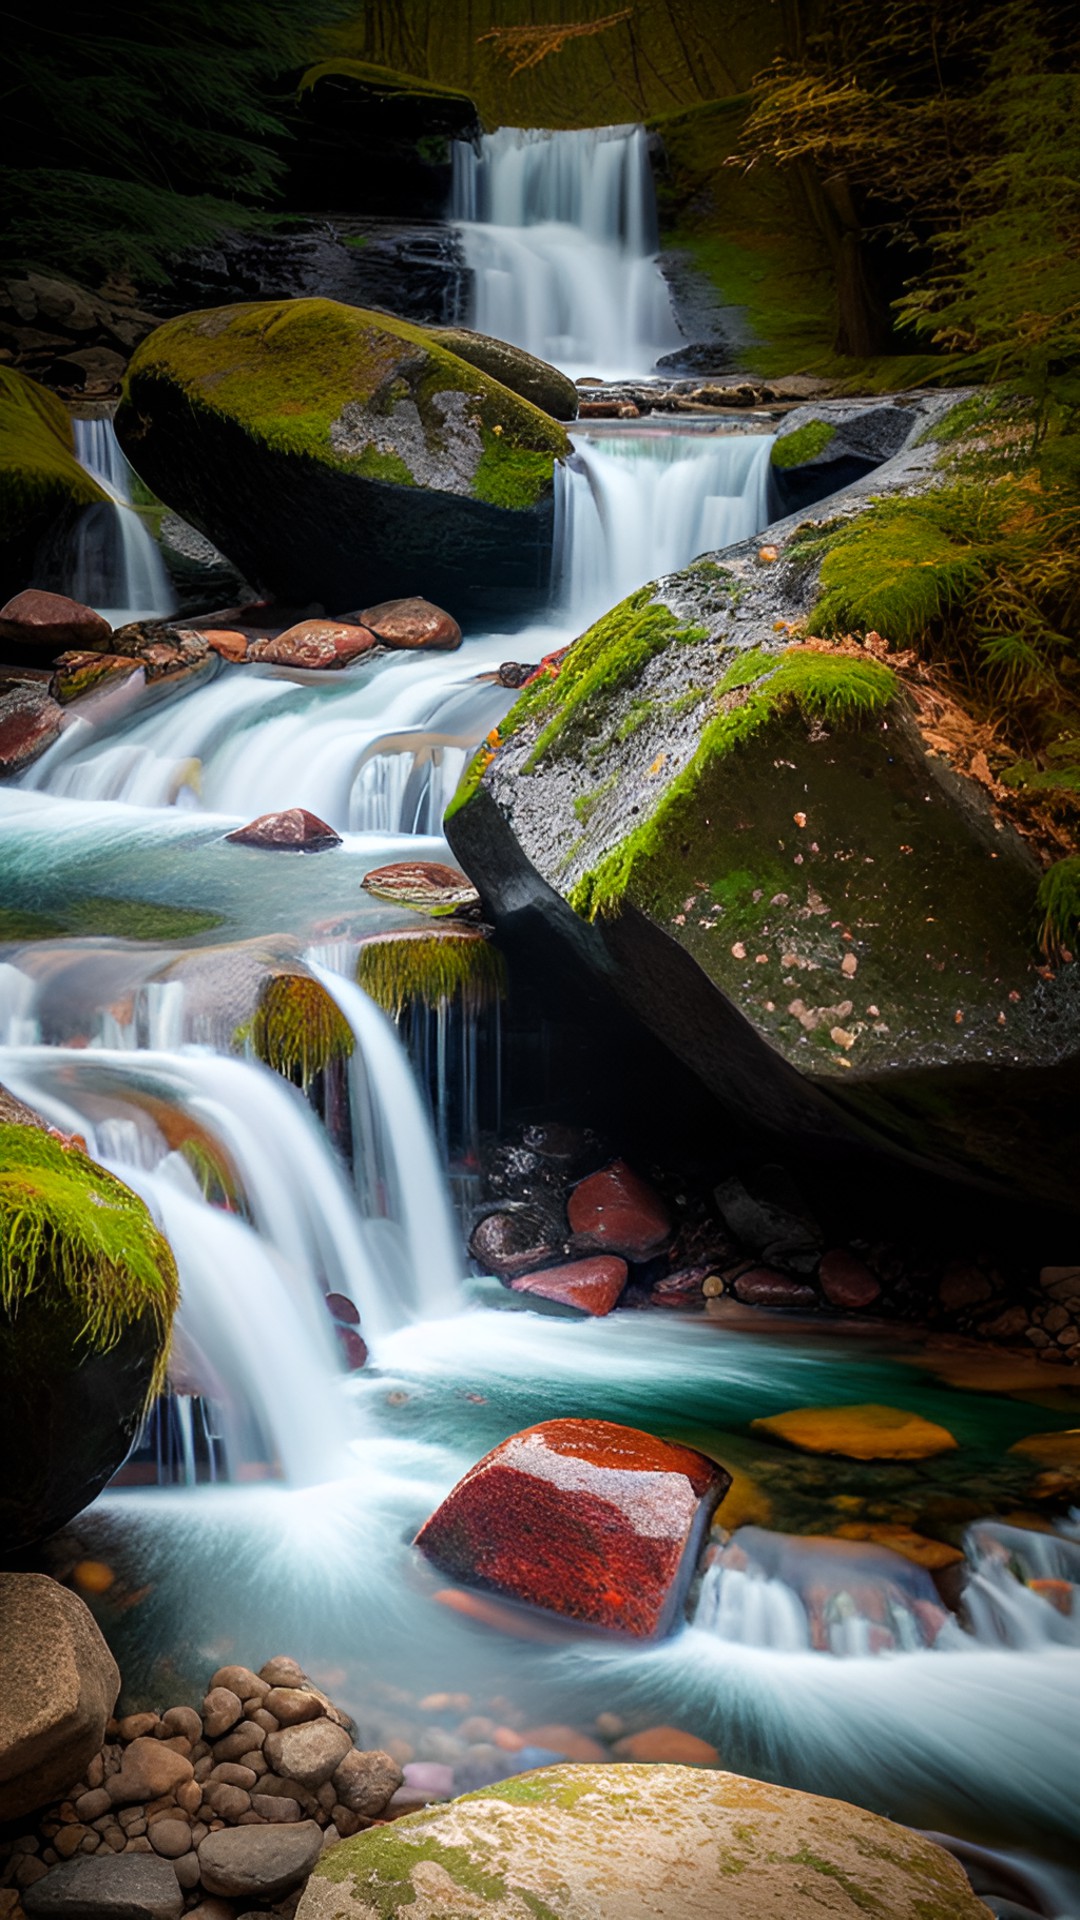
(41, 482)
(345, 456)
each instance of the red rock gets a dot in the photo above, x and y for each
(30, 720)
(846, 1281)
(669, 1745)
(50, 621)
(426, 885)
(764, 1287)
(593, 1286)
(353, 1349)
(412, 623)
(594, 1522)
(518, 1622)
(80, 673)
(618, 1211)
(227, 644)
(343, 1309)
(554, 1737)
(295, 831)
(315, 644)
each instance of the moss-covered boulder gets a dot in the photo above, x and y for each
(820, 449)
(535, 380)
(41, 482)
(88, 1288)
(344, 456)
(591, 1842)
(756, 838)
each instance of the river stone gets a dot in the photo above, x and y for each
(764, 1287)
(295, 830)
(149, 1769)
(592, 1521)
(617, 1211)
(104, 1886)
(365, 1782)
(291, 1706)
(314, 644)
(30, 720)
(846, 1281)
(427, 885)
(60, 1686)
(259, 1863)
(50, 622)
(858, 1432)
(411, 624)
(522, 372)
(221, 1709)
(593, 1286)
(308, 1753)
(631, 1842)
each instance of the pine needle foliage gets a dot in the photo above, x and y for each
(1059, 904)
(525, 47)
(76, 1237)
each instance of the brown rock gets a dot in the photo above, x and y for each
(365, 1782)
(136, 1726)
(184, 1721)
(226, 644)
(48, 622)
(170, 1838)
(60, 1686)
(294, 831)
(282, 1672)
(617, 1211)
(149, 1769)
(227, 1802)
(241, 1681)
(189, 1796)
(593, 1286)
(291, 1706)
(231, 1774)
(220, 1710)
(259, 1863)
(91, 1806)
(669, 1746)
(411, 624)
(764, 1287)
(30, 720)
(315, 644)
(243, 1739)
(276, 1806)
(426, 885)
(309, 1753)
(846, 1281)
(69, 1839)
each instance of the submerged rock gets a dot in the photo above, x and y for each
(295, 830)
(41, 622)
(580, 1842)
(592, 1521)
(412, 624)
(343, 455)
(593, 1286)
(60, 1686)
(858, 1433)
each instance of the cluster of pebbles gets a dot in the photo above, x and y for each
(239, 1797)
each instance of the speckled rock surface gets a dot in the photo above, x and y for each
(60, 1686)
(639, 1843)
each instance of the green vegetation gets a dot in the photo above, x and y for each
(1059, 905)
(397, 969)
(297, 1028)
(836, 690)
(79, 1240)
(39, 474)
(805, 444)
(586, 803)
(116, 919)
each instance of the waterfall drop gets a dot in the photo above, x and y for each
(112, 562)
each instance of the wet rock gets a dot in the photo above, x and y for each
(77, 674)
(149, 1768)
(294, 830)
(764, 1287)
(291, 1706)
(227, 644)
(60, 1686)
(595, 1522)
(353, 1348)
(593, 1286)
(308, 1754)
(47, 623)
(412, 624)
(846, 1281)
(130, 1886)
(427, 885)
(867, 1432)
(545, 386)
(514, 673)
(669, 1746)
(314, 644)
(258, 1863)
(511, 1242)
(365, 1782)
(221, 1710)
(618, 1840)
(617, 1211)
(30, 720)
(342, 1309)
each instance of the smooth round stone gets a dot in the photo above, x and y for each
(221, 1710)
(616, 1211)
(259, 1862)
(846, 1281)
(308, 1754)
(149, 1770)
(412, 623)
(170, 1838)
(293, 830)
(291, 1706)
(282, 1672)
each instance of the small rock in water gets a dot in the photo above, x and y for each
(41, 622)
(412, 623)
(514, 673)
(314, 644)
(426, 885)
(294, 830)
(868, 1432)
(763, 1287)
(30, 720)
(668, 1745)
(353, 1348)
(342, 1309)
(619, 1212)
(846, 1281)
(592, 1286)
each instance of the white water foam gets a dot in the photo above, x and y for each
(113, 563)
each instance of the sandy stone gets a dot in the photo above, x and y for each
(309, 1754)
(221, 1710)
(291, 1706)
(259, 1863)
(60, 1685)
(149, 1769)
(858, 1433)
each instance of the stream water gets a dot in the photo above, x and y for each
(875, 1693)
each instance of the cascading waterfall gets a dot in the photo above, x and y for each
(559, 231)
(112, 562)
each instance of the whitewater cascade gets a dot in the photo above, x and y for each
(559, 231)
(112, 562)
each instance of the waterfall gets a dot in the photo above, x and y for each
(632, 506)
(559, 231)
(112, 562)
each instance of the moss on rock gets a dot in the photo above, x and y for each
(806, 443)
(398, 969)
(40, 478)
(297, 1029)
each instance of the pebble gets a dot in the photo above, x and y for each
(276, 1807)
(291, 1706)
(282, 1672)
(241, 1681)
(136, 1726)
(184, 1721)
(170, 1838)
(221, 1710)
(149, 1768)
(308, 1753)
(90, 1806)
(241, 1740)
(227, 1802)
(231, 1774)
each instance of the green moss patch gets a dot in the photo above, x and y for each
(400, 969)
(805, 444)
(39, 474)
(78, 1238)
(98, 915)
(297, 1029)
(1059, 907)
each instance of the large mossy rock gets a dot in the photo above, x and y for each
(344, 456)
(631, 1842)
(88, 1288)
(535, 380)
(756, 845)
(41, 482)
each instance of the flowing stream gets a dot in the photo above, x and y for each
(840, 1672)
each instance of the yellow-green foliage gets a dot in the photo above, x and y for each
(283, 371)
(39, 474)
(806, 443)
(297, 1029)
(76, 1237)
(836, 690)
(1059, 904)
(98, 914)
(607, 659)
(432, 969)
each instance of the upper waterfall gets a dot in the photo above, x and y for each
(112, 562)
(559, 230)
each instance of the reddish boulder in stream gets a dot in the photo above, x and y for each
(412, 623)
(592, 1521)
(30, 720)
(314, 644)
(49, 622)
(294, 830)
(617, 1211)
(593, 1286)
